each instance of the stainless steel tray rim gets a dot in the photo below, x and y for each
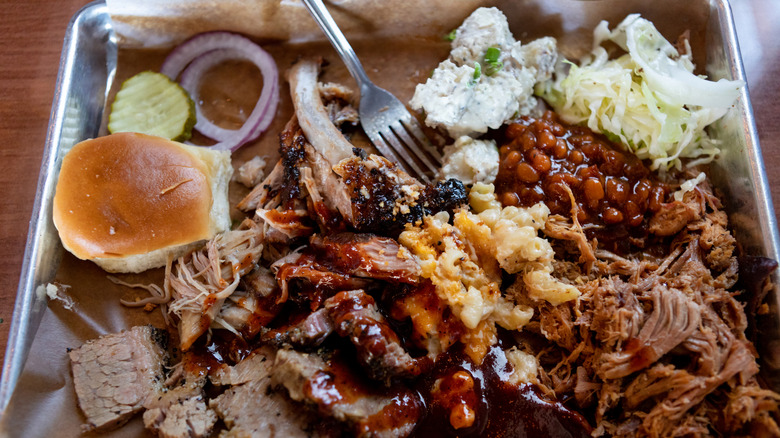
(29, 307)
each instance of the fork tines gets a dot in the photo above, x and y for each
(404, 142)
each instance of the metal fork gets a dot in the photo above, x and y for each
(386, 121)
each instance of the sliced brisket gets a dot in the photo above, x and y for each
(180, 412)
(256, 366)
(115, 373)
(252, 408)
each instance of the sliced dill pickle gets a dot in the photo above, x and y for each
(151, 103)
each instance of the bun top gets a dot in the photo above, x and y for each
(127, 194)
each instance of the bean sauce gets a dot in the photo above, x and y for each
(542, 159)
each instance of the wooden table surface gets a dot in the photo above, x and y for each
(31, 36)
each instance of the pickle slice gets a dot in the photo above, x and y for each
(151, 103)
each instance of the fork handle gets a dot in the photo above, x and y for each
(338, 40)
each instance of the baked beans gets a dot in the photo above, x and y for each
(541, 157)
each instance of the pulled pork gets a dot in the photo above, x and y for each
(659, 348)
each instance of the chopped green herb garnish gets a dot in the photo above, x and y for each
(451, 36)
(492, 69)
(492, 64)
(477, 72)
(492, 54)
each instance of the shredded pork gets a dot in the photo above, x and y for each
(655, 349)
(202, 280)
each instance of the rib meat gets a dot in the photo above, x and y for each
(256, 366)
(355, 316)
(385, 198)
(338, 391)
(366, 255)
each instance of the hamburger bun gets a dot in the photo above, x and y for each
(128, 201)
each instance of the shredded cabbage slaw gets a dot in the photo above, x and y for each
(649, 99)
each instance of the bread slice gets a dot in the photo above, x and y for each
(128, 201)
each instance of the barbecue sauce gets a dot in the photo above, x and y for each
(221, 348)
(457, 386)
(343, 383)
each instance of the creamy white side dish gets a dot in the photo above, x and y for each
(470, 160)
(464, 96)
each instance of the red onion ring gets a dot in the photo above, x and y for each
(190, 79)
(198, 54)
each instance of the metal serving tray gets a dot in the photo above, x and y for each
(87, 68)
